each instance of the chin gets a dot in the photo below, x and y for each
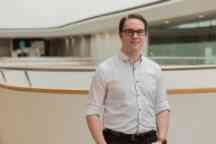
(136, 47)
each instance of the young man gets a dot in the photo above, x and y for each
(127, 100)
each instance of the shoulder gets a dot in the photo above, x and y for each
(151, 67)
(106, 66)
(150, 64)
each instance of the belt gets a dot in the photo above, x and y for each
(150, 136)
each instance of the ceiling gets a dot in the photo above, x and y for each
(54, 13)
(169, 11)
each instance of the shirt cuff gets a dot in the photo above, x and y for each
(163, 107)
(94, 110)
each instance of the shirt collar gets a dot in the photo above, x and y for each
(126, 59)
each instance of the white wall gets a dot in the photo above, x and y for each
(192, 119)
(41, 118)
(48, 118)
(190, 78)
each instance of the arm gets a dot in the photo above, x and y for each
(162, 111)
(95, 107)
(162, 119)
(96, 128)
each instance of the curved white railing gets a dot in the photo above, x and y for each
(75, 74)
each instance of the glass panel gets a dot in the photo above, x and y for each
(186, 44)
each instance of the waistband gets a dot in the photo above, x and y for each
(147, 136)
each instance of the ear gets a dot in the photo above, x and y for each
(120, 34)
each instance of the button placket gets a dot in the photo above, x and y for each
(139, 98)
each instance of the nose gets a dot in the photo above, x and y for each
(135, 34)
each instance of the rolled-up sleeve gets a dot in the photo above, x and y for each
(97, 92)
(162, 103)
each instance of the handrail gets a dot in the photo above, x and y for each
(185, 57)
(187, 67)
(82, 64)
(170, 92)
(191, 90)
(48, 64)
(86, 68)
(45, 90)
(64, 68)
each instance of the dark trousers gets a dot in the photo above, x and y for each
(113, 137)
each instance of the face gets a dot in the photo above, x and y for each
(133, 35)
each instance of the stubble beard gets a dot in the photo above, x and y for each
(135, 49)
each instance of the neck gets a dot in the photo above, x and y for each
(134, 56)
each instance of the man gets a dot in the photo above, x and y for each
(127, 100)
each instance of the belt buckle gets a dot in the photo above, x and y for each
(134, 137)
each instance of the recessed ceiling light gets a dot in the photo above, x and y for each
(201, 16)
(166, 22)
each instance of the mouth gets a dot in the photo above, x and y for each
(135, 43)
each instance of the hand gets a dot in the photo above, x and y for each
(160, 142)
(102, 143)
(157, 142)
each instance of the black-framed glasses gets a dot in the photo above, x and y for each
(131, 32)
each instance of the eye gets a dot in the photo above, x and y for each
(131, 32)
(140, 31)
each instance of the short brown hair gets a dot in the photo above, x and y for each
(133, 16)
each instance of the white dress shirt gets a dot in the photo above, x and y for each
(127, 96)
